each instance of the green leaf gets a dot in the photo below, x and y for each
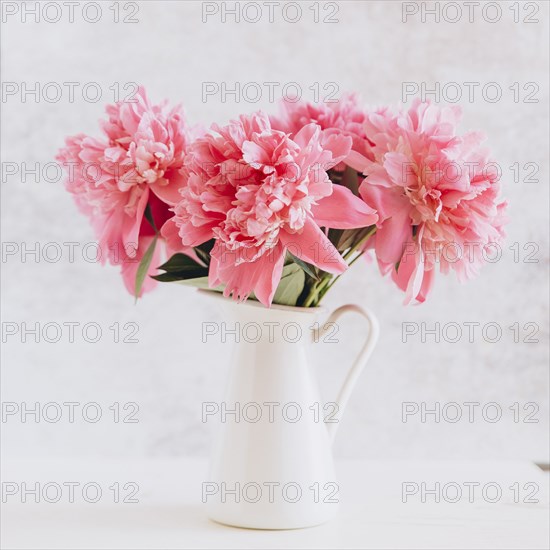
(351, 237)
(204, 256)
(143, 267)
(346, 240)
(207, 246)
(180, 263)
(308, 268)
(170, 277)
(204, 251)
(334, 236)
(180, 267)
(149, 217)
(291, 285)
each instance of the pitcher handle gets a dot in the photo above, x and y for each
(359, 363)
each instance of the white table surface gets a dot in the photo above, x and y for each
(170, 513)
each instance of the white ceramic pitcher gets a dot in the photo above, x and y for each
(272, 465)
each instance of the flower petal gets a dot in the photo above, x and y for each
(392, 237)
(313, 246)
(130, 230)
(170, 194)
(343, 210)
(260, 276)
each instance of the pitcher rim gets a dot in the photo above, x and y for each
(278, 307)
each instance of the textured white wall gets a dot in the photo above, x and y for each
(170, 372)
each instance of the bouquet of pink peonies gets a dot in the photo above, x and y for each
(276, 208)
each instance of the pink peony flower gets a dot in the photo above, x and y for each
(436, 194)
(261, 192)
(136, 165)
(343, 116)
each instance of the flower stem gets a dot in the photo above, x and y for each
(316, 288)
(320, 288)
